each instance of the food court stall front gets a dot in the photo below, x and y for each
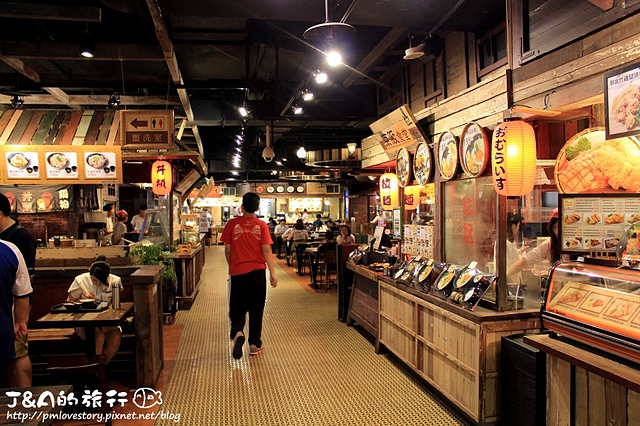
(428, 310)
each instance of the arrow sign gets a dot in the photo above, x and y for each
(139, 123)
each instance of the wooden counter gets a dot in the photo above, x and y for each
(455, 350)
(80, 256)
(189, 272)
(363, 304)
(586, 386)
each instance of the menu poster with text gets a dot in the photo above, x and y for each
(61, 165)
(22, 165)
(101, 165)
(592, 223)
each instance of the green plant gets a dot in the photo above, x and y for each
(155, 255)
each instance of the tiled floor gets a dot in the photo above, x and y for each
(314, 371)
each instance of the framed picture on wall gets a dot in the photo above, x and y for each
(622, 101)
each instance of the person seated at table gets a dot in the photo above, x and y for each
(345, 236)
(120, 228)
(97, 284)
(329, 243)
(278, 232)
(296, 234)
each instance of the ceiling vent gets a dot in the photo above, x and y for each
(228, 191)
(333, 189)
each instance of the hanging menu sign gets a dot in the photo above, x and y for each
(61, 164)
(596, 223)
(21, 164)
(102, 164)
(397, 129)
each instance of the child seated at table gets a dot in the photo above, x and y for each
(97, 284)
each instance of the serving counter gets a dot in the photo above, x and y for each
(455, 350)
(189, 272)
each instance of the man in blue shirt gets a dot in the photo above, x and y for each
(15, 288)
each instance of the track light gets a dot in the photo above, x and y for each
(334, 58)
(307, 95)
(321, 77)
(114, 101)
(301, 153)
(87, 45)
(297, 109)
(17, 102)
(243, 111)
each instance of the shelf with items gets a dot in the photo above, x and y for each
(189, 229)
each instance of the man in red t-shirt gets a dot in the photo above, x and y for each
(247, 247)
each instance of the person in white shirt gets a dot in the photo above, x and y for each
(98, 284)
(138, 220)
(108, 230)
(305, 217)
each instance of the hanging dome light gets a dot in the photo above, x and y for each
(301, 153)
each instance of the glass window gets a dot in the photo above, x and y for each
(469, 221)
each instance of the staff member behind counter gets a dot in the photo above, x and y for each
(97, 284)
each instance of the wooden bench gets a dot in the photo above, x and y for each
(46, 344)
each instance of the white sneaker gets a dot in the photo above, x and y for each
(238, 342)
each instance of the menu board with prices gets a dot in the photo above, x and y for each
(100, 165)
(595, 223)
(61, 165)
(21, 164)
(418, 240)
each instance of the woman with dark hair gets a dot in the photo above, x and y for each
(548, 250)
(514, 221)
(345, 236)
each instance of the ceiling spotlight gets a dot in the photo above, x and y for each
(279, 163)
(321, 77)
(351, 147)
(274, 172)
(307, 95)
(301, 153)
(233, 172)
(267, 154)
(243, 111)
(297, 109)
(334, 58)
(17, 102)
(86, 45)
(114, 101)
(413, 52)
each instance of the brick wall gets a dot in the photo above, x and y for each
(54, 223)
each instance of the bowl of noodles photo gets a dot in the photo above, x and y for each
(19, 160)
(58, 160)
(474, 149)
(447, 155)
(97, 160)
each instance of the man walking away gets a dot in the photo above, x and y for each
(247, 247)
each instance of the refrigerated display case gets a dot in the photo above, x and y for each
(595, 304)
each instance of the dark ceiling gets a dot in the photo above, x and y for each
(205, 58)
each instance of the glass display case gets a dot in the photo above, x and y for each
(595, 304)
(189, 229)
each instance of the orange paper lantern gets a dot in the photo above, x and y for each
(513, 158)
(161, 177)
(389, 191)
(411, 197)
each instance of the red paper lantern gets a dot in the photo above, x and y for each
(389, 191)
(161, 177)
(411, 197)
(513, 158)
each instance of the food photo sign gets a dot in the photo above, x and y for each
(622, 101)
(62, 164)
(21, 164)
(595, 223)
(103, 164)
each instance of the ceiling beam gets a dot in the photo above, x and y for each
(172, 63)
(602, 4)
(61, 96)
(22, 68)
(77, 100)
(50, 12)
(389, 41)
(71, 51)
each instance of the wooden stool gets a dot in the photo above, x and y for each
(64, 367)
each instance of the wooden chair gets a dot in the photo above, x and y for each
(77, 368)
(328, 267)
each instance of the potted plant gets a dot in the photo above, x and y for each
(155, 255)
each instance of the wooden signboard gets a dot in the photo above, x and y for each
(397, 129)
(146, 129)
(22, 164)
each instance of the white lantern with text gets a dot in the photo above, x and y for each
(513, 158)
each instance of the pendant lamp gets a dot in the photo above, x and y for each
(389, 191)
(161, 177)
(513, 158)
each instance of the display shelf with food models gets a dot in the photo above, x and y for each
(190, 231)
(595, 304)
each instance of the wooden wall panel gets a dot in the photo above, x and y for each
(31, 129)
(455, 63)
(71, 129)
(20, 127)
(44, 128)
(558, 392)
(12, 120)
(55, 128)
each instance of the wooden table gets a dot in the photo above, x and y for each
(89, 320)
(28, 412)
